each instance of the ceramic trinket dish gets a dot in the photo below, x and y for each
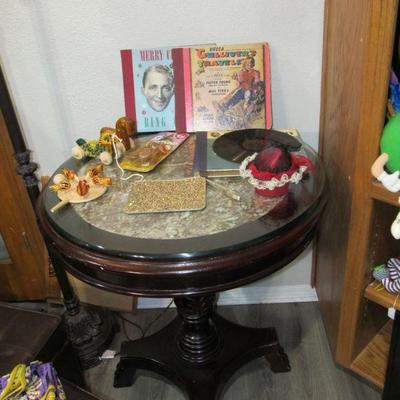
(71, 188)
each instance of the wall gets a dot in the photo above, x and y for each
(61, 61)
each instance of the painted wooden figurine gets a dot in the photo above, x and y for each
(112, 142)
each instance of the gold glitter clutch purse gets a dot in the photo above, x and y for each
(187, 194)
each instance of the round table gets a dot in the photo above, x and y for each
(190, 256)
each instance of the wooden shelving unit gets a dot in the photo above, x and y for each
(372, 361)
(377, 293)
(378, 192)
(355, 231)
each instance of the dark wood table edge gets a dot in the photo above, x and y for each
(198, 275)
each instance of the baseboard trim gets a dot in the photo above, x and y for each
(250, 295)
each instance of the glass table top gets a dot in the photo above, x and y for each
(223, 225)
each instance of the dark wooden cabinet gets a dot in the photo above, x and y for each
(24, 270)
(355, 231)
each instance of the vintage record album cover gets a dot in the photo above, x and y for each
(207, 162)
(222, 87)
(149, 88)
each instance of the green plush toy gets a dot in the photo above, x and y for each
(390, 156)
(390, 160)
(390, 143)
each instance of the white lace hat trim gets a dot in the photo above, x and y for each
(272, 183)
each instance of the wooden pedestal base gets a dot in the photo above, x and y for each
(199, 350)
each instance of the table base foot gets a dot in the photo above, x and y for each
(124, 374)
(90, 331)
(278, 360)
(162, 354)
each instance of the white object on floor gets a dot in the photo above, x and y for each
(391, 312)
(108, 354)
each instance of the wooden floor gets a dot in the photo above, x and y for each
(314, 375)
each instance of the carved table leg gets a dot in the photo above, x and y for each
(199, 350)
(197, 339)
(90, 329)
(26, 168)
